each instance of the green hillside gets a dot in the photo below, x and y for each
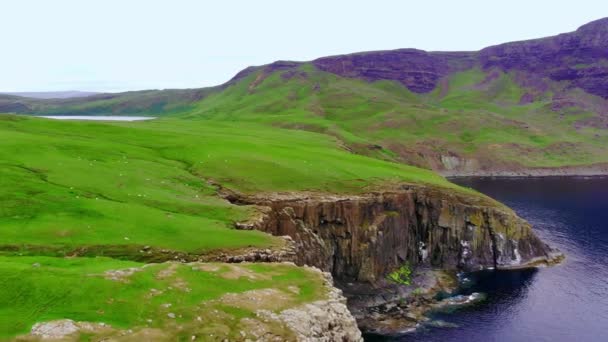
(474, 120)
(472, 115)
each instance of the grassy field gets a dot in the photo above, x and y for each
(68, 185)
(169, 300)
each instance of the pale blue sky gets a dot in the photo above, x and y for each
(117, 45)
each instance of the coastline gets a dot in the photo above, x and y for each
(595, 170)
(386, 309)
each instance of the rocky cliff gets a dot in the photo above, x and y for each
(578, 57)
(359, 239)
(323, 320)
(418, 70)
(362, 238)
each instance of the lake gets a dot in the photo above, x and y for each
(568, 302)
(97, 117)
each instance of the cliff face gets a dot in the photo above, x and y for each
(418, 70)
(362, 238)
(578, 57)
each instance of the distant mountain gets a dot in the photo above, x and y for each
(537, 106)
(52, 94)
(144, 102)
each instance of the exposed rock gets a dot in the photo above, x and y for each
(268, 299)
(66, 329)
(386, 308)
(362, 238)
(121, 275)
(284, 254)
(324, 320)
(54, 329)
(577, 57)
(418, 70)
(600, 169)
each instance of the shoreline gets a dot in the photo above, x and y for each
(395, 310)
(531, 173)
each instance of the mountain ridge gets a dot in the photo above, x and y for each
(596, 27)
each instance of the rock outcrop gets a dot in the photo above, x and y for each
(418, 70)
(361, 238)
(578, 57)
(324, 320)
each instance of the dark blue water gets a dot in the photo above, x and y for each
(568, 302)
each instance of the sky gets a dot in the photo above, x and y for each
(120, 45)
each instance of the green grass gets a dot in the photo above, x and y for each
(72, 184)
(41, 289)
(79, 184)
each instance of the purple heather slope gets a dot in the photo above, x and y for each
(580, 57)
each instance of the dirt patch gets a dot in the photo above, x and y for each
(258, 330)
(207, 268)
(121, 275)
(237, 272)
(167, 272)
(263, 299)
(146, 334)
(181, 284)
(232, 271)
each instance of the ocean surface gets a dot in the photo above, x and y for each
(97, 117)
(568, 302)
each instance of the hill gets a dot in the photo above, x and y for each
(530, 107)
(536, 106)
(144, 103)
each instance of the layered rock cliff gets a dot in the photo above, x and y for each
(361, 238)
(418, 70)
(577, 57)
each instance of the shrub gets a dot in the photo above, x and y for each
(402, 275)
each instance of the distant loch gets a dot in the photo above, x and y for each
(97, 118)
